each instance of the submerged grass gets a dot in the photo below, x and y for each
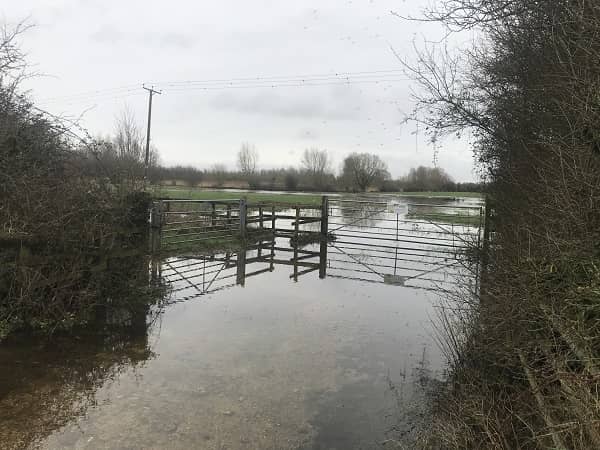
(293, 198)
(444, 194)
(446, 218)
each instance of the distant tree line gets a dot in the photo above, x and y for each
(359, 172)
(120, 159)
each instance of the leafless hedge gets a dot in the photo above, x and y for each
(57, 221)
(525, 370)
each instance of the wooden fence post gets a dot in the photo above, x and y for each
(155, 226)
(241, 267)
(296, 242)
(273, 221)
(243, 215)
(324, 216)
(272, 255)
(323, 241)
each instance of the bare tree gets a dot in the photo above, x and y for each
(247, 159)
(129, 138)
(127, 148)
(13, 66)
(362, 170)
(317, 164)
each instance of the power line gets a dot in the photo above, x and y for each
(281, 85)
(105, 97)
(96, 92)
(335, 75)
(111, 96)
(336, 78)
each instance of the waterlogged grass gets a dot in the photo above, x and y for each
(442, 194)
(301, 199)
(251, 197)
(453, 219)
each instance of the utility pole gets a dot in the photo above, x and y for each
(151, 92)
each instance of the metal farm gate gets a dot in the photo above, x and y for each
(422, 245)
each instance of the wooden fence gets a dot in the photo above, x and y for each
(177, 224)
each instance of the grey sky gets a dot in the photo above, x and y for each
(112, 47)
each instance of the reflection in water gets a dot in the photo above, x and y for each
(206, 274)
(235, 355)
(357, 213)
(45, 385)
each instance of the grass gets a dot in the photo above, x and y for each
(252, 197)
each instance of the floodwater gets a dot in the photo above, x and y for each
(230, 361)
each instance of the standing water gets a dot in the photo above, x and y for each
(244, 352)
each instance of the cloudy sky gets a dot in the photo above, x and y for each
(282, 75)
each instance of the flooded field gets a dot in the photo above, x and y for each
(246, 350)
